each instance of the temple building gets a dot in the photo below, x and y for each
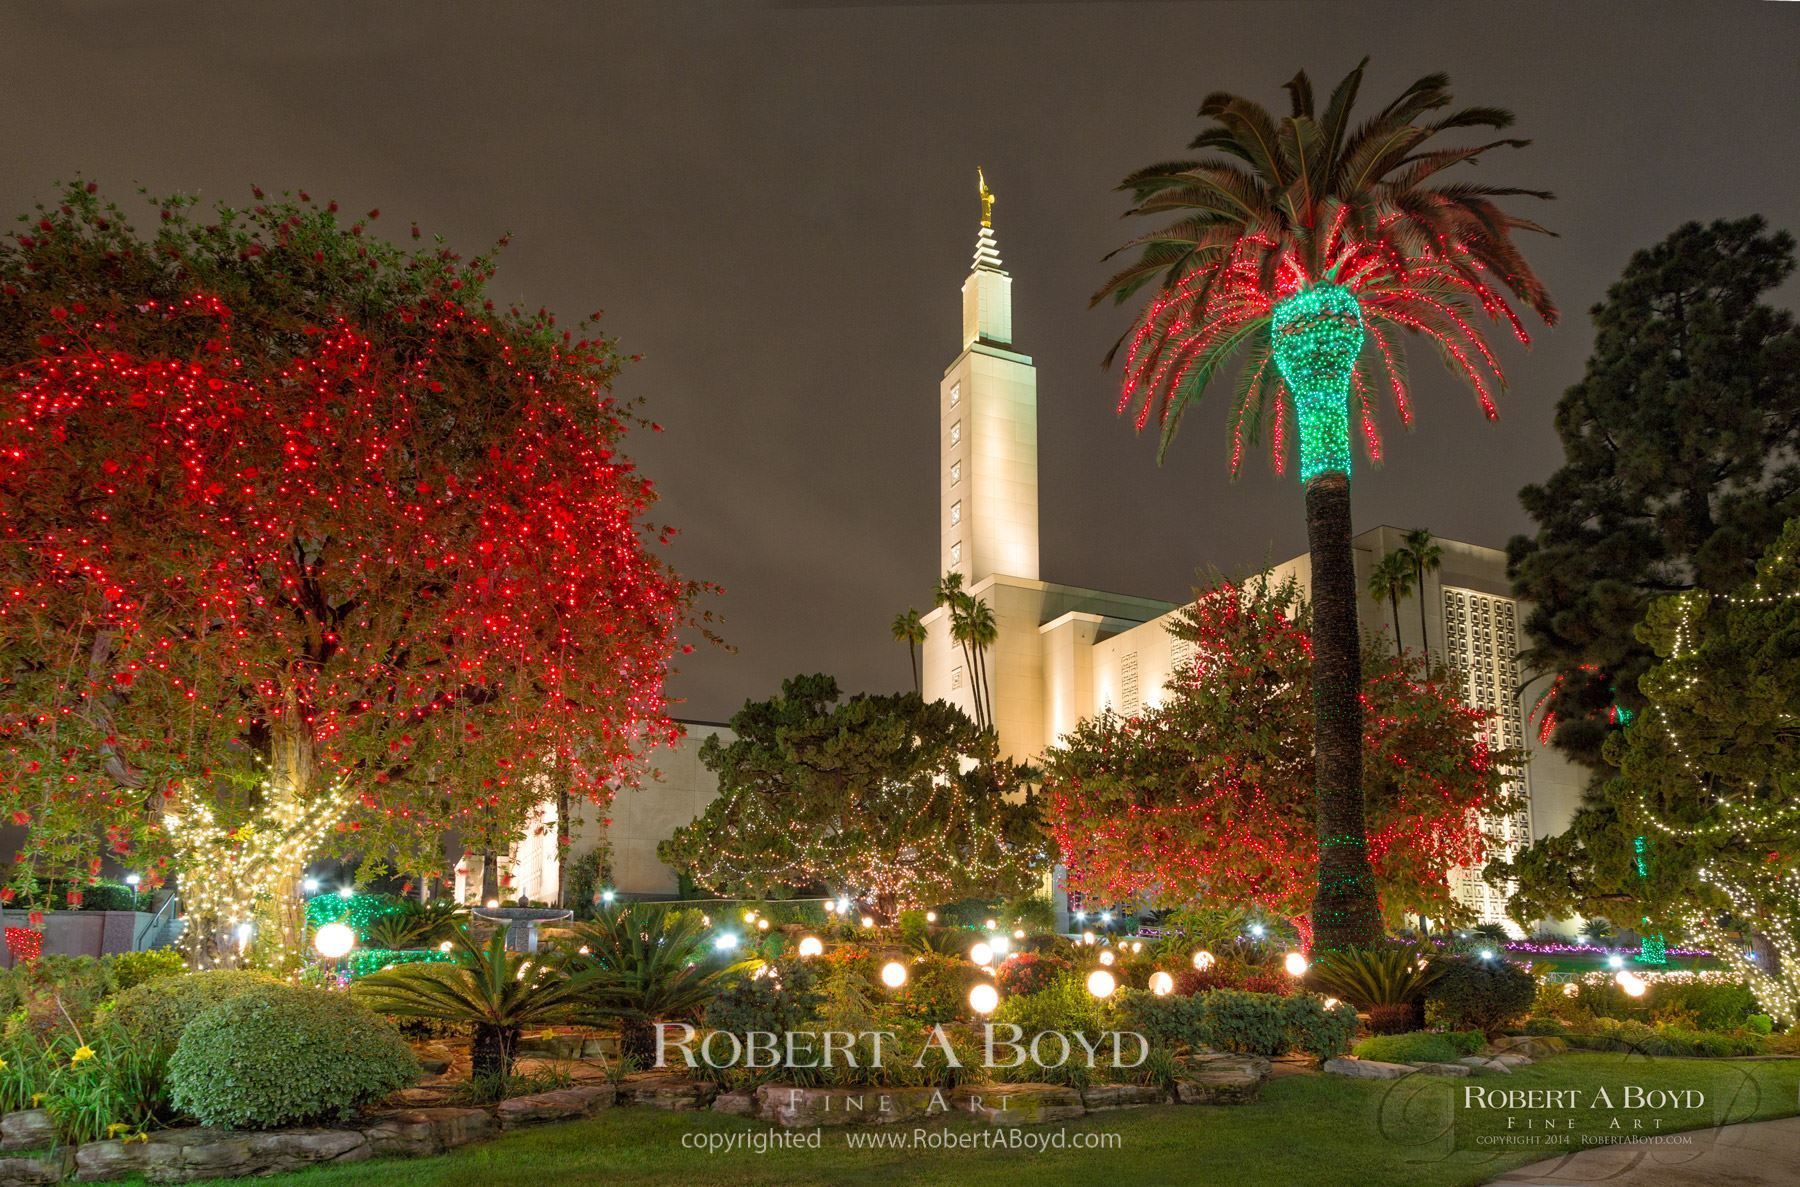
(1067, 652)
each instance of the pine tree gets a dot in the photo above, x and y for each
(1679, 462)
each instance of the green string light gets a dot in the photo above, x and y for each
(1317, 335)
(1652, 949)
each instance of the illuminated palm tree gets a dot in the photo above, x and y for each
(1422, 552)
(1392, 578)
(1301, 249)
(909, 629)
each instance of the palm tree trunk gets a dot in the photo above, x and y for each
(1344, 910)
(1394, 604)
(1424, 639)
(912, 653)
(491, 1050)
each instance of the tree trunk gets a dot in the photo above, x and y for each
(1394, 603)
(1424, 639)
(637, 1042)
(563, 803)
(912, 653)
(490, 878)
(290, 780)
(1344, 913)
(491, 1050)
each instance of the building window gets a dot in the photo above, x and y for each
(956, 676)
(956, 513)
(956, 553)
(956, 433)
(955, 394)
(1129, 701)
(955, 473)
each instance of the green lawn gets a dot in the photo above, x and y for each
(1305, 1130)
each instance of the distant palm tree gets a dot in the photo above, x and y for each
(983, 633)
(909, 629)
(1392, 578)
(1424, 554)
(971, 625)
(1304, 249)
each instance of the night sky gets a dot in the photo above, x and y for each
(776, 207)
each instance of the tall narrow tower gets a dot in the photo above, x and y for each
(988, 416)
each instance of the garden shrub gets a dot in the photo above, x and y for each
(1064, 1004)
(786, 997)
(131, 969)
(1321, 1031)
(1419, 1046)
(1760, 1024)
(1704, 1005)
(1165, 1022)
(937, 989)
(156, 1012)
(1484, 995)
(1031, 972)
(1539, 1025)
(45, 995)
(1246, 1023)
(275, 1055)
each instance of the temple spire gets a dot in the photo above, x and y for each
(987, 293)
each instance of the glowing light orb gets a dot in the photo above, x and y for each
(1203, 960)
(893, 974)
(725, 942)
(1000, 944)
(1631, 983)
(1101, 984)
(334, 941)
(811, 946)
(762, 925)
(981, 954)
(931, 916)
(1296, 964)
(868, 921)
(1161, 984)
(984, 998)
(1570, 989)
(1106, 956)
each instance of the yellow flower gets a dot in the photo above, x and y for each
(2, 1065)
(37, 1098)
(82, 1052)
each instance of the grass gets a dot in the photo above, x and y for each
(1394, 1132)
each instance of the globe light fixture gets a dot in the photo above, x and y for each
(931, 916)
(1018, 933)
(868, 921)
(1487, 954)
(893, 974)
(1000, 944)
(334, 941)
(1203, 960)
(346, 892)
(1570, 989)
(132, 880)
(811, 946)
(1296, 964)
(1107, 957)
(491, 903)
(990, 925)
(1161, 984)
(1631, 983)
(843, 904)
(1101, 984)
(725, 941)
(762, 925)
(981, 954)
(1087, 937)
(984, 998)
(607, 896)
(445, 946)
(1615, 961)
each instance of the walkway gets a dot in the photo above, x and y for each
(1757, 1153)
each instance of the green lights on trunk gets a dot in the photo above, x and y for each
(1318, 335)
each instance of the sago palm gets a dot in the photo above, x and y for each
(657, 966)
(497, 993)
(1300, 250)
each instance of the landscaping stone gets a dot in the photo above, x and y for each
(30, 1172)
(1512, 1059)
(1024, 1104)
(735, 1104)
(560, 1104)
(1530, 1046)
(415, 1133)
(1223, 1082)
(666, 1090)
(1443, 1069)
(27, 1129)
(1123, 1096)
(793, 1108)
(1367, 1069)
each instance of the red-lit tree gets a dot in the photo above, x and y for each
(1208, 796)
(288, 513)
(1304, 250)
